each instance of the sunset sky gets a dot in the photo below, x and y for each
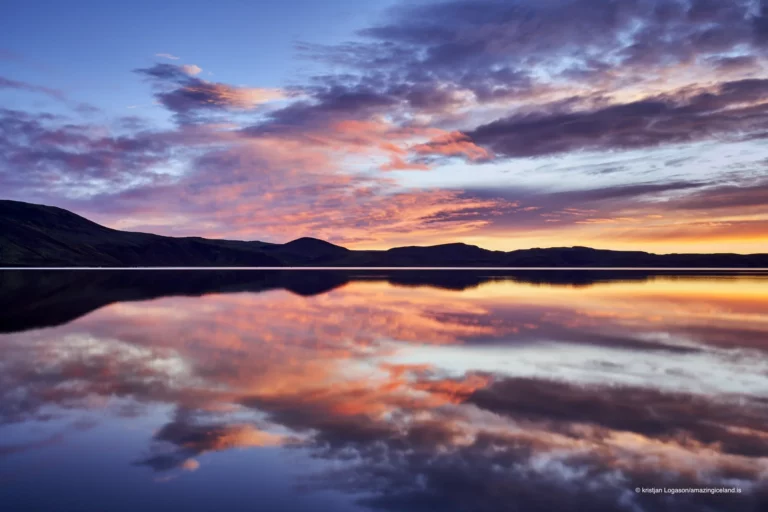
(623, 124)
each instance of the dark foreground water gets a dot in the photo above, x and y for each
(410, 391)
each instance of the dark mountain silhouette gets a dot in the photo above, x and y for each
(307, 251)
(44, 236)
(36, 235)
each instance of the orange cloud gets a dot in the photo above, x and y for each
(453, 144)
(190, 465)
(233, 97)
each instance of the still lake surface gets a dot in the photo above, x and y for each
(382, 391)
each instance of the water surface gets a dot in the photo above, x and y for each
(386, 391)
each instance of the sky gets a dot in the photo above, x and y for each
(620, 124)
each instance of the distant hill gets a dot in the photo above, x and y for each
(34, 235)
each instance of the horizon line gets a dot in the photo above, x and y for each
(688, 269)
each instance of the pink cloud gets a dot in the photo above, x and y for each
(191, 69)
(453, 144)
(190, 465)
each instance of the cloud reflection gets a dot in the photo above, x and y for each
(506, 396)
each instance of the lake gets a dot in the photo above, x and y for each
(383, 391)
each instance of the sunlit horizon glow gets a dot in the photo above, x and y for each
(508, 125)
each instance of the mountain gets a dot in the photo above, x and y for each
(308, 251)
(34, 235)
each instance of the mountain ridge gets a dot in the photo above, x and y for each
(34, 235)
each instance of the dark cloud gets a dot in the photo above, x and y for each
(760, 23)
(189, 97)
(622, 192)
(742, 62)
(735, 424)
(39, 152)
(167, 72)
(84, 109)
(632, 203)
(426, 56)
(490, 46)
(727, 196)
(733, 111)
(329, 104)
(535, 207)
(191, 434)
(430, 464)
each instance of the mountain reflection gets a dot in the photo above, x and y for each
(443, 392)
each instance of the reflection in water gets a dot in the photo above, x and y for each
(447, 391)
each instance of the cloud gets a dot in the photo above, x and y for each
(738, 63)
(731, 111)
(643, 411)
(191, 69)
(190, 465)
(328, 105)
(463, 55)
(167, 56)
(38, 152)
(217, 96)
(188, 96)
(481, 45)
(164, 71)
(738, 197)
(298, 185)
(52, 159)
(453, 144)
(189, 436)
(428, 83)
(578, 433)
(115, 177)
(537, 208)
(660, 212)
(6, 83)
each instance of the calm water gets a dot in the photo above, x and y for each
(409, 391)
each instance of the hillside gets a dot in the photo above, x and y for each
(34, 235)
